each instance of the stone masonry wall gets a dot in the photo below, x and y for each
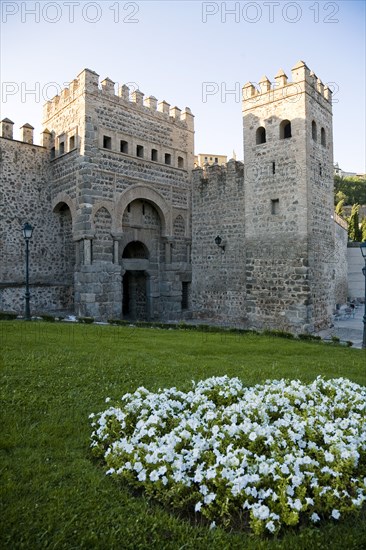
(218, 274)
(25, 197)
(341, 263)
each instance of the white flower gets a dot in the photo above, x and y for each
(198, 506)
(212, 525)
(329, 457)
(185, 438)
(209, 498)
(154, 475)
(260, 511)
(270, 526)
(142, 475)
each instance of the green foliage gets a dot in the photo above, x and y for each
(353, 190)
(363, 229)
(339, 208)
(279, 334)
(5, 316)
(54, 374)
(86, 320)
(309, 337)
(354, 232)
(48, 318)
(339, 196)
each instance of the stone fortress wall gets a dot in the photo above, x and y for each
(25, 195)
(126, 228)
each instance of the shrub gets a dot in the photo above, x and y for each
(7, 316)
(310, 337)
(272, 456)
(86, 320)
(278, 334)
(47, 318)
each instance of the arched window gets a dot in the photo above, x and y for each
(313, 130)
(322, 136)
(285, 129)
(135, 250)
(260, 136)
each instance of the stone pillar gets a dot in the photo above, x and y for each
(168, 251)
(188, 253)
(26, 133)
(6, 128)
(115, 251)
(87, 252)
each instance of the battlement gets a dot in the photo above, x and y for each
(303, 81)
(213, 174)
(87, 82)
(26, 132)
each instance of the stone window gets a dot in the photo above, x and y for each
(53, 152)
(185, 295)
(273, 167)
(180, 162)
(320, 169)
(275, 206)
(72, 143)
(62, 147)
(216, 159)
(322, 137)
(123, 146)
(107, 142)
(140, 151)
(168, 158)
(285, 129)
(260, 135)
(313, 130)
(154, 155)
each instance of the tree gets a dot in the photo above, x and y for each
(340, 196)
(353, 188)
(354, 233)
(363, 229)
(339, 208)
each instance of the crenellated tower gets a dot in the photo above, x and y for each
(288, 182)
(121, 169)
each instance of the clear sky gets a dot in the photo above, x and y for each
(190, 53)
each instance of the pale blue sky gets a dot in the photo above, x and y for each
(170, 52)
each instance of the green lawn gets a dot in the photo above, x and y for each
(54, 494)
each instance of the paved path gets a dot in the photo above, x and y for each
(347, 329)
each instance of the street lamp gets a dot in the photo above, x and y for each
(27, 234)
(363, 252)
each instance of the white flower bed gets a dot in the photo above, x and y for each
(270, 456)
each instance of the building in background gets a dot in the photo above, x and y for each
(208, 158)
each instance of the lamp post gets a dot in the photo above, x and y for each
(27, 234)
(363, 252)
